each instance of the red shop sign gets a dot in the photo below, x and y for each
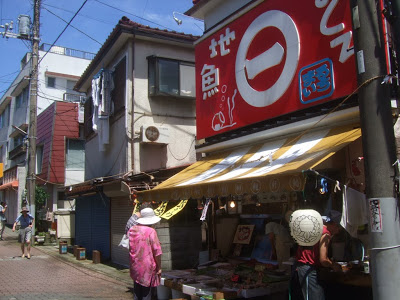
(280, 57)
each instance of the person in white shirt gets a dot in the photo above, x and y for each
(281, 241)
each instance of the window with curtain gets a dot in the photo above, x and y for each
(75, 154)
(168, 77)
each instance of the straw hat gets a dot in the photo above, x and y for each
(24, 209)
(306, 227)
(148, 217)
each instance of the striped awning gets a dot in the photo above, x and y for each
(9, 185)
(273, 166)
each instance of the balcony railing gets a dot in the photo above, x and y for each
(17, 151)
(70, 97)
(67, 51)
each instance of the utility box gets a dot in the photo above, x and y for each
(63, 247)
(80, 253)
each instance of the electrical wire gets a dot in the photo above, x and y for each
(126, 12)
(73, 27)
(179, 159)
(63, 31)
(337, 106)
(9, 74)
(82, 15)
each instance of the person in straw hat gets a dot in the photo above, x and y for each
(145, 255)
(310, 258)
(25, 232)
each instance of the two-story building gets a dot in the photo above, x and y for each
(140, 129)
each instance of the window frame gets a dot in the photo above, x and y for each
(39, 159)
(154, 69)
(48, 82)
(67, 155)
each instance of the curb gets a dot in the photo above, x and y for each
(87, 264)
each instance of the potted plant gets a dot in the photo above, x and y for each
(40, 237)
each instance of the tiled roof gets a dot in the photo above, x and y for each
(126, 25)
(134, 26)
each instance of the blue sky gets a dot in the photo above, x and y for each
(90, 28)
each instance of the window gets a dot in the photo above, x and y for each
(118, 93)
(23, 97)
(39, 158)
(51, 82)
(18, 140)
(75, 154)
(18, 101)
(171, 77)
(88, 117)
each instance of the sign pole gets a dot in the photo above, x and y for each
(379, 149)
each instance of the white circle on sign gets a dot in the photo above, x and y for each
(269, 58)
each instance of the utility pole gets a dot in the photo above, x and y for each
(31, 181)
(379, 149)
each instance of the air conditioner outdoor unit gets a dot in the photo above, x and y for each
(155, 134)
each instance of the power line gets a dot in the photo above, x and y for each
(126, 12)
(74, 27)
(63, 30)
(9, 74)
(82, 15)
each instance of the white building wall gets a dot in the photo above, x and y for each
(57, 63)
(113, 160)
(176, 114)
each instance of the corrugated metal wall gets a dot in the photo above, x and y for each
(121, 211)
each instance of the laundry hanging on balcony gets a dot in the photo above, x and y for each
(102, 86)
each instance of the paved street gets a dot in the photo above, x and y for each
(49, 275)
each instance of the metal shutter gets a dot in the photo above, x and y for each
(92, 224)
(121, 211)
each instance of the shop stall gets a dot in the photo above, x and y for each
(236, 193)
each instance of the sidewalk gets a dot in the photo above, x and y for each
(114, 272)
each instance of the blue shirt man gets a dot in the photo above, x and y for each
(25, 233)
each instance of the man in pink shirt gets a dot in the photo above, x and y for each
(145, 255)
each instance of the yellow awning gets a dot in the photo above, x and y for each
(272, 166)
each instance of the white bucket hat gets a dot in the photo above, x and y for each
(148, 217)
(306, 227)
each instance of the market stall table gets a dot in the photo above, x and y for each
(352, 283)
(227, 281)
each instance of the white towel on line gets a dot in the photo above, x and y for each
(354, 213)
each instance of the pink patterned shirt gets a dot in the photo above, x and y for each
(144, 247)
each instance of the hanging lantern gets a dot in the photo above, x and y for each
(306, 226)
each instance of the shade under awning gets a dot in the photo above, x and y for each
(272, 166)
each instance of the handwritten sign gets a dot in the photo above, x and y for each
(376, 215)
